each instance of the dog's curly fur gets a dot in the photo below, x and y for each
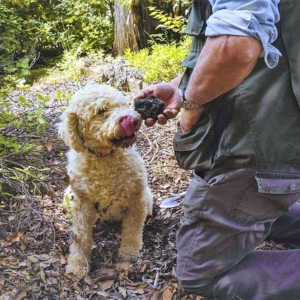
(107, 175)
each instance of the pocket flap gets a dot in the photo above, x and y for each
(277, 183)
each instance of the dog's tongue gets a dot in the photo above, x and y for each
(127, 126)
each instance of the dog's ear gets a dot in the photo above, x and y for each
(68, 131)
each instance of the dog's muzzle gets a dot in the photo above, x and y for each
(128, 126)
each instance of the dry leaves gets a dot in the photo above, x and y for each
(35, 231)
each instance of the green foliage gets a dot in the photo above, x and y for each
(19, 27)
(26, 115)
(25, 179)
(172, 18)
(31, 175)
(33, 28)
(72, 65)
(10, 27)
(173, 23)
(23, 114)
(127, 3)
(19, 117)
(67, 205)
(160, 62)
(86, 25)
(80, 32)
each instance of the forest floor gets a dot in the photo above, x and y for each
(35, 229)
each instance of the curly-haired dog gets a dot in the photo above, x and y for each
(107, 175)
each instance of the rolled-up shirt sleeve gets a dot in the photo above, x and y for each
(256, 18)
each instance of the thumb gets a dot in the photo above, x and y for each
(143, 93)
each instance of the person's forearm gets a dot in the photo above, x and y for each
(176, 81)
(223, 64)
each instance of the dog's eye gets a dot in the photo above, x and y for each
(101, 111)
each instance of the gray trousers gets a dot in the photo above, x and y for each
(226, 218)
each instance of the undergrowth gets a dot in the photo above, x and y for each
(72, 65)
(160, 62)
(22, 116)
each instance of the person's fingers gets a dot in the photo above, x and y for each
(171, 113)
(150, 122)
(162, 119)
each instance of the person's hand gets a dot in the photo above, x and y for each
(166, 92)
(189, 117)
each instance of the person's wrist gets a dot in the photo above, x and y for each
(188, 118)
(185, 104)
(192, 112)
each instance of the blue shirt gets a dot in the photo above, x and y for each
(256, 18)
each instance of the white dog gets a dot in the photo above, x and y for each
(107, 175)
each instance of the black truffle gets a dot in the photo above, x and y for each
(149, 107)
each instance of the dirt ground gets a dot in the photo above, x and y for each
(35, 227)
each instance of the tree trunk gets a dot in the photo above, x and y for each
(132, 26)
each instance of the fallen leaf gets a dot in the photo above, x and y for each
(51, 194)
(165, 186)
(32, 259)
(106, 285)
(167, 294)
(52, 273)
(172, 245)
(23, 263)
(20, 296)
(143, 268)
(51, 280)
(2, 281)
(48, 144)
(43, 275)
(167, 215)
(15, 237)
(122, 291)
(280, 247)
(63, 260)
(104, 294)
(178, 178)
(156, 295)
(11, 218)
(139, 291)
(23, 246)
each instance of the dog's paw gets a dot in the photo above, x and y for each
(128, 255)
(77, 271)
(126, 259)
(123, 266)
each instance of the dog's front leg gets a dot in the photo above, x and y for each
(132, 234)
(84, 218)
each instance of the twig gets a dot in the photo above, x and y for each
(155, 284)
(156, 279)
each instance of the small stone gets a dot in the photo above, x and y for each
(149, 107)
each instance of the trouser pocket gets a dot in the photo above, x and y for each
(267, 196)
(195, 149)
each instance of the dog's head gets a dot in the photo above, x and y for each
(99, 119)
